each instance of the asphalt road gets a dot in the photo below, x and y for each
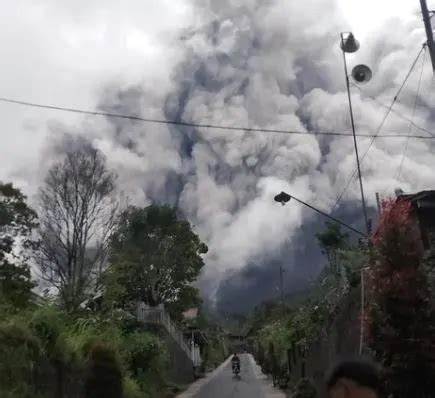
(226, 385)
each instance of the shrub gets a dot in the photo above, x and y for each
(48, 351)
(49, 325)
(143, 350)
(84, 333)
(260, 354)
(401, 328)
(305, 389)
(132, 389)
(273, 361)
(19, 352)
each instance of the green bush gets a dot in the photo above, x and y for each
(260, 354)
(49, 325)
(82, 334)
(305, 389)
(20, 352)
(143, 350)
(273, 361)
(41, 348)
(132, 389)
(214, 353)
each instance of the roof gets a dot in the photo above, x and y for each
(242, 332)
(423, 199)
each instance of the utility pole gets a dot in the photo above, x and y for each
(378, 203)
(351, 45)
(427, 15)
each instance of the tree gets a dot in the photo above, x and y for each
(261, 357)
(401, 326)
(273, 361)
(78, 214)
(155, 256)
(352, 260)
(17, 221)
(188, 298)
(331, 240)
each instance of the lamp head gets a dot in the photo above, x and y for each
(282, 198)
(362, 74)
(349, 44)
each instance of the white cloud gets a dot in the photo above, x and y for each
(65, 53)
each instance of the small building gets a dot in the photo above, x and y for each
(197, 341)
(237, 340)
(195, 338)
(424, 205)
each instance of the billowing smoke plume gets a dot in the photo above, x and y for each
(267, 64)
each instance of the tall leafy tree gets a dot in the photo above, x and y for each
(155, 256)
(401, 324)
(17, 220)
(78, 215)
(331, 241)
(187, 298)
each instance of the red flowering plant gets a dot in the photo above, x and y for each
(399, 323)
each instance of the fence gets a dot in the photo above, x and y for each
(158, 316)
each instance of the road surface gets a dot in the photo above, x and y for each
(222, 383)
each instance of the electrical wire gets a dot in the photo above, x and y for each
(399, 171)
(397, 113)
(381, 125)
(205, 126)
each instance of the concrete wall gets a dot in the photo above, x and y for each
(340, 338)
(180, 367)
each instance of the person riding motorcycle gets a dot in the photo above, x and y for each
(235, 360)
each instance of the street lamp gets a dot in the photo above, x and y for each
(284, 198)
(350, 44)
(361, 74)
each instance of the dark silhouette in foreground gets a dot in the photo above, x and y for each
(104, 377)
(354, 379)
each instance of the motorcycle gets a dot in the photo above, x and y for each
(236, 370)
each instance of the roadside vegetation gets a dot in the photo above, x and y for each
(95, 261)
(399, 321)
(47, 352)
(293, 326)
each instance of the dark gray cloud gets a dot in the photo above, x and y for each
(301, 259)
(263, 64)
(256, 63)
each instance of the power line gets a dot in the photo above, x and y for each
(376, 135)
(398, 114)
(199, 125)
(399, 171)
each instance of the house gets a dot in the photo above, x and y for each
(195, 337)
(237, 338)
(424, 205)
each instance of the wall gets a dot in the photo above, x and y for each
(180, 367)
(58, 382)
(340, 338)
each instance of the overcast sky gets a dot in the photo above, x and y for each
(63, 52)
(271, 64)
